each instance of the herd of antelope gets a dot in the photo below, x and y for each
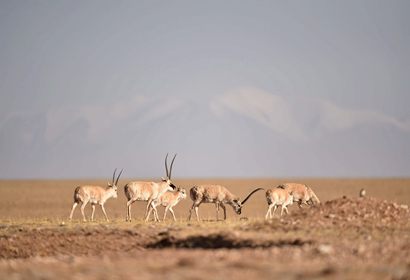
(168, 195)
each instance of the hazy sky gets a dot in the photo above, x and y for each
(236, 88)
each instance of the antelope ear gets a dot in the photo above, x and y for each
(109, 184)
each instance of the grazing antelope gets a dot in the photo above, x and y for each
(216, 194)
(168, 200)
(276, 197)
(94, 195)
(148, 191)
(302, 194)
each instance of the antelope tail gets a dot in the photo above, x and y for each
(249, 195)
(313, 195)
(127, 192)
(316, 198)
(77, 198)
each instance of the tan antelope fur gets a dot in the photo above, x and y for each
(216, 194)
(302, 194)
(148, 191)
(94, 195)
(168, 200)
(276, 197)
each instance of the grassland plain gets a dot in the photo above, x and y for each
(342, 238)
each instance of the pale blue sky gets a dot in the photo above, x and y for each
(236, 88)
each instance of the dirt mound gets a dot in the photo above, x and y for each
(370, 209)
(360, 210)
(340, 213)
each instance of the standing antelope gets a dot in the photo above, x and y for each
(216, 194)
(94, 195)
(275, 197)
(168, 200)
(302, 194)
(148, 191)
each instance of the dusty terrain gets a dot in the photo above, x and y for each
(346, 237)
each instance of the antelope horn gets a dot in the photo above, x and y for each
(249, 195)
(170, 168)
(116, 182)
(113, 175)
(166, 166)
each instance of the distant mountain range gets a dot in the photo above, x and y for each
(246, 133)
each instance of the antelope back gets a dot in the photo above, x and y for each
(139, 190)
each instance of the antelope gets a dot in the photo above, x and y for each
(275, 197)
(168, 200)
(216, 194)
(94, 195)
(148, 191)
(302, 194)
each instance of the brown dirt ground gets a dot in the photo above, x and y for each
(345, 237)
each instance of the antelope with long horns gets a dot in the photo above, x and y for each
(94, 195)
(148, 191)
(216, 194)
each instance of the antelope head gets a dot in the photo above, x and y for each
(237, 204)
(113, 185)
(171, 186)
(182, 193)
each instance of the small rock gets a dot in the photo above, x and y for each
(362, 193)
(404, 206)
(185, 262)
(360, 249)
(325, 249)
(328, 271)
